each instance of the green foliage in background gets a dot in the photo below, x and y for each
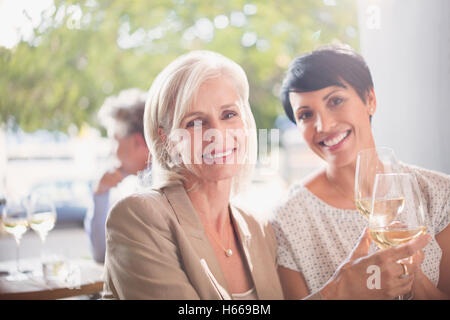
(84, 51)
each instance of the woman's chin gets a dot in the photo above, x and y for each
(340, 160)
(345, 156)
(221, 172)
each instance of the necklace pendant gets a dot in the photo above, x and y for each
(229, 253)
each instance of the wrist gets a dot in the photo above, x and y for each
(100, 191)
(420, 281)
(101, 188)
(329, 291)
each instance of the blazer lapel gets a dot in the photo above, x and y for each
(191, 224)
(255, 255)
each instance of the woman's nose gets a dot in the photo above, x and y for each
(324, 122)
(217, 125)
(218, 131)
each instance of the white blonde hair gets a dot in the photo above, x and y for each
(170, 98)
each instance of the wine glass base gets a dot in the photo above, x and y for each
(17, 276)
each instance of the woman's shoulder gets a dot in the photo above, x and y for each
(142, 200)
(424, 171)
(435, 189)
(431, 180)
(148, 207)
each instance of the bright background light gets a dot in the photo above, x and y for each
(18, 17)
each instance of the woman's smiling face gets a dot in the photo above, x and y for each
(334, 122)
(215, 126)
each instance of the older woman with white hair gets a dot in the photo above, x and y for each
(185, 239)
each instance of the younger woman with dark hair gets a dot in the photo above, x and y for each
(329, 94)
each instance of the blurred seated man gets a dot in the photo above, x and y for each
(122, 116)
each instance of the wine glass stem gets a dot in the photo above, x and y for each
(43, 249)
(18, 256)
(45, 255)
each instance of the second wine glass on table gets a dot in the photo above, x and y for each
(42, 216)
(369, 163)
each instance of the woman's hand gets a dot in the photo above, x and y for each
(377, 276)
(424, 289)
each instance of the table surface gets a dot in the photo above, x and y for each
(80, 277)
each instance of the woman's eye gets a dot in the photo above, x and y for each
(305, 115)
(229, 115)
(194, 123)
(336, 101)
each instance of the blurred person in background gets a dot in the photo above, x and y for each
(122, 116)
(329, 94)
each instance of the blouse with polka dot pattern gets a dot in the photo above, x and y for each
(314, 238)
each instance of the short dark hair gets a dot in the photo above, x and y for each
(127, 108)
(326, 66)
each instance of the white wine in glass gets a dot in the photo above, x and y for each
(397, 214)
(42, 217)
(16, 226)
(14, 221)
(369, 163)
(387, 238)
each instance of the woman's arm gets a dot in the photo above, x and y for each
(424, 289)
(293, 284)
(141, 254)
(443, 239)
(94, 224)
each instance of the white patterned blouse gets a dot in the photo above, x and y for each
(314, 238)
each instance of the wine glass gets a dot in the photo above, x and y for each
(370, 162)
(397, 213)
(15, 221)
(42, 216)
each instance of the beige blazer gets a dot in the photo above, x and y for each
(156, 248)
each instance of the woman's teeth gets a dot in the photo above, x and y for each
(218, 155)
(336, 139)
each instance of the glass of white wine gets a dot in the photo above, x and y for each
(42, 216)
(397, 213)
(15, 221)
(369, 163)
